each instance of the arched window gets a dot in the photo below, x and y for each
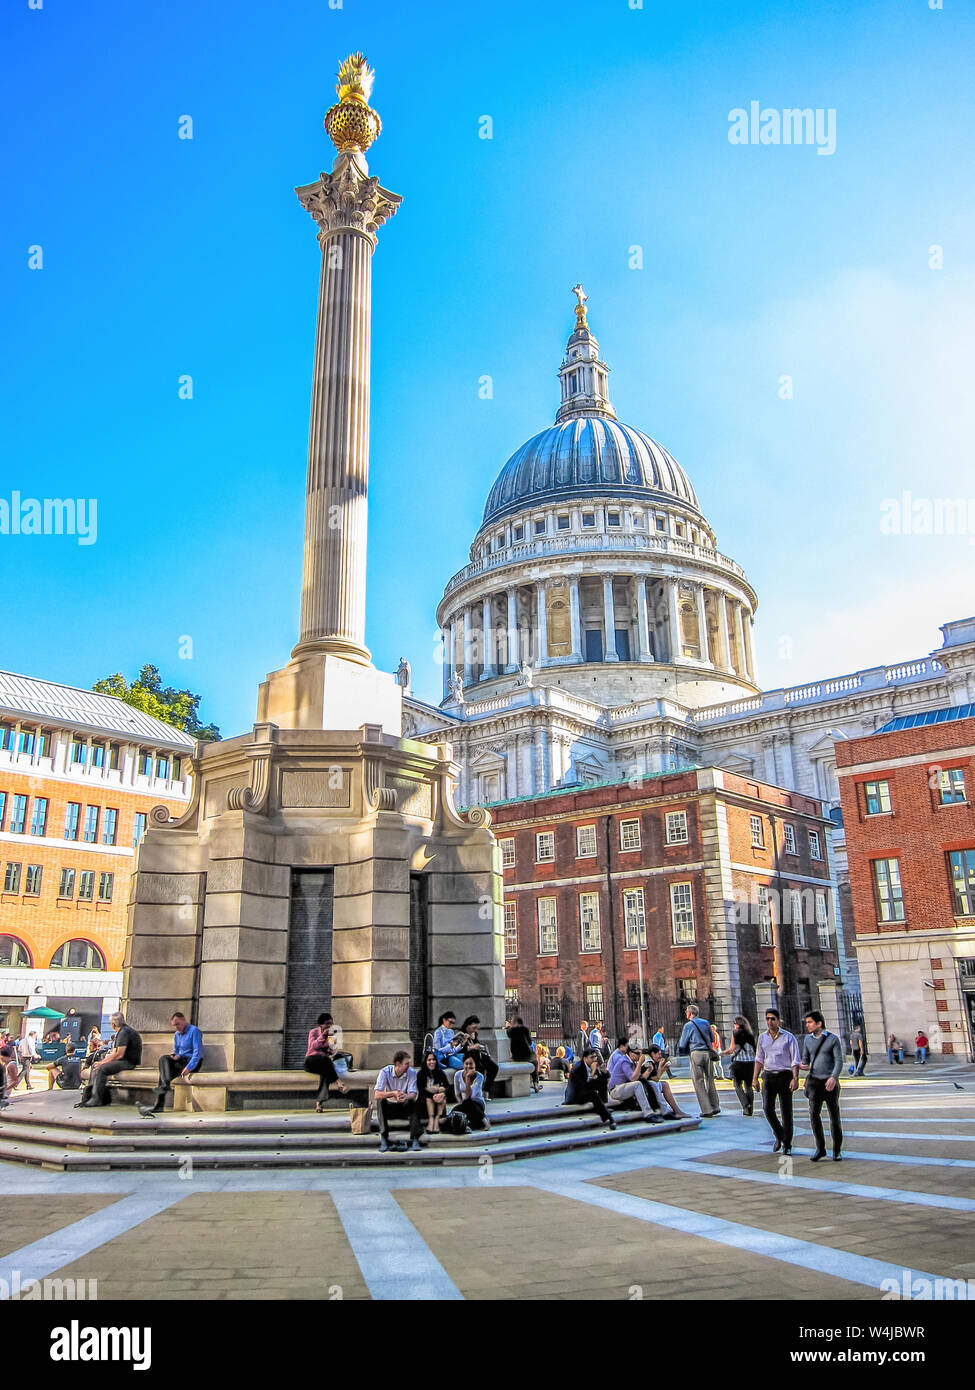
(14, 952)
(78, 955)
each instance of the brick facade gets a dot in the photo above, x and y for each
(907, 809)
(699, 881)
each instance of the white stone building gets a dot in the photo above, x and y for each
(597, 633)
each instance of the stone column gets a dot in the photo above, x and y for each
(609, 620)
(673, 608)
(513, 662)
(766, 997)
(829, 1005)
(643, 635)
(749, 658)
(723, 638)
(575, 618)
(452, 649)
(348, 207)
(446, 638)
(702, 621)
(468, 648)
(739, 641)
(542, 657)
(488, 667)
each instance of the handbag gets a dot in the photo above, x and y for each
(713, 1052)
(457, 1123)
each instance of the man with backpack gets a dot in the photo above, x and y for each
(696, 1040)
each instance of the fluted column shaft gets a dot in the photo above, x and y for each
(739, 641)
(513, 656)
(749, 653)
(609, 619)
(468, 652)
(673, 605)
(542, 625)
(723, 637)
(487, 641)
(702, 622)
(575, 619)
(643, 635)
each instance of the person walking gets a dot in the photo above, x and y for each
(626, 1076)
(696, 1040)
(320, 1060)
(587, 1085)
(777, 1055)
(396, 1095)
(742, 1055)
(185, 1059)
(858, 1049)
(126, 1052)
(921, 1047)
(469, 1094)
(822, 1058)
(28, 1054)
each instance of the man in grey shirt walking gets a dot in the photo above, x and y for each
(822, 1058)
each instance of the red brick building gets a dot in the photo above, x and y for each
(710, 883)
(79, 774)
(910, 832)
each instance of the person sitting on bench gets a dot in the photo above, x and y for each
(126, 1053)
(185, 1058)
(396, 1094)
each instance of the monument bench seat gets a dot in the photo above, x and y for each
(280, 1089)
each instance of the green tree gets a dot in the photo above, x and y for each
(177, 707)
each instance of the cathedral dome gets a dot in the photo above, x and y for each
(587, 454)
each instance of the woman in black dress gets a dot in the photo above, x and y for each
(431, 1088)
(520, 1045)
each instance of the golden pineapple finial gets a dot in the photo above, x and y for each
(352, 124)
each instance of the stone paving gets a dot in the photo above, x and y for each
(706, 1214)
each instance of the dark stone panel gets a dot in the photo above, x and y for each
(309, 984)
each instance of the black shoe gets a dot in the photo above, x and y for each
(82, 1105)
(820, 1153)
(776, 1146)
(837, 1158)
(611, 1124)
(787, 1148)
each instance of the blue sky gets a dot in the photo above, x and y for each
(610, 129)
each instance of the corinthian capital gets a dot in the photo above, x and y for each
(348, 199)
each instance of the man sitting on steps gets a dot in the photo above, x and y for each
(185, 1058)
(396, 1094)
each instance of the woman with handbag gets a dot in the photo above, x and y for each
(742, 1053)
(320, 1060)
(431, 1085)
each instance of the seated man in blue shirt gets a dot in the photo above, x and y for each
(185, 1058)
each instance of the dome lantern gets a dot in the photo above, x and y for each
(583, 377)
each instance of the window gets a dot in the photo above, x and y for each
(72, 814)
(682, 913)
(962, 865)
(548, 930)
(177, 770)
(629, 834)
(677, 827)
(11, 878)
(822, 921)
(790, 838)
(145, 764)
(594, 1003)
(612, 518)
(6, 738)
(551, 1006)
(661, 524)
(44, 743)
(638, 520)
(98, 755)
(758, 832)
(499, 540)
(634, 918)
(585, 841)
(32, 881)
(106, 887)
(887, 890)
(3, 808)
(511, 929)
(38, 820)
(539, 526)
(815, 852)
(876, 796)
(90, 832)
(588, 518)
(78, 955)
(109, 826)
(519, 533)
(66, 886)
(679, 528)
(79, 752)
(14, 953)
(18, 814)
(138, 826)
(86, 885)
(545, 846)
(507, 854)
(25, 741)
(511, 996)
(795, 910)
(951, 785)
(687, 989)
(562, 522)
(764, 916)
(589, 921)
(162, 768)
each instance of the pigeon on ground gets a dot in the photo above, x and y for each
(957, 1087)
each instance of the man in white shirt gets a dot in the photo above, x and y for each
(396, 1094)
(28, 1053)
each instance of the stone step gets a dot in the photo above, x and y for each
(464, 1152)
